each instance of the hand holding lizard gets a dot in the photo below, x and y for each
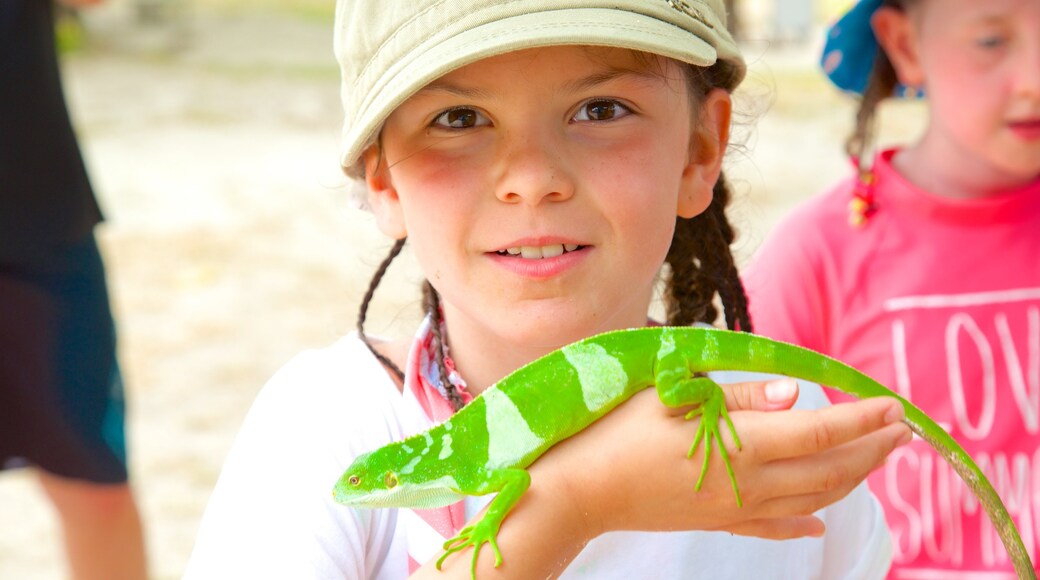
(629, 471)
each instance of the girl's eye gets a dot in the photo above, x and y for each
(461, 118)
(601, 110)
(988, 37)
(992, 42)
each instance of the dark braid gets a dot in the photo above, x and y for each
(731, 288)
(363, 310)
(432, 308)
(700, 260)
(701, 265)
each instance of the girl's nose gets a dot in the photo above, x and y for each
(1027, 74)
(533, 168)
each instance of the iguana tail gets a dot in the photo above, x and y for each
(726, 350)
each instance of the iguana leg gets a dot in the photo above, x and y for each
(510, 485)
(708, 430)
(680, 391)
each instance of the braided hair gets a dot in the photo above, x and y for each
(700, 262)
(881, 85)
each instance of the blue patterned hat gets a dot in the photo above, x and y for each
(851, 48)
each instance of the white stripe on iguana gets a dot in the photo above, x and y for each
(428, 440)
(602, 377)
(446, 450)
(410, 467)
(509, 435)
(667, 344)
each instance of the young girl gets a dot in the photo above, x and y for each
(922, 269)
(545, 159)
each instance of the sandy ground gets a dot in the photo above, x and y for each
(232, 244)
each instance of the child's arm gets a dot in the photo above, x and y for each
(629, 471)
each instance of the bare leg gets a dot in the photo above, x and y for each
(102, 528)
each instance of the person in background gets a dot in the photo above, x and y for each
(922, 268)
(61, 393)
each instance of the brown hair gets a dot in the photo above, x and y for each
(881, 85)
(700, 262)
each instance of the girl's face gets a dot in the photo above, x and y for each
(539, 189)
(979, 64)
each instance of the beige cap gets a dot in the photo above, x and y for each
(389, 49)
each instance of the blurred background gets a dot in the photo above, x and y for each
(210, 128)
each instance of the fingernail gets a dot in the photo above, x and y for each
(781, 391)
(905, 438)
(895, 413)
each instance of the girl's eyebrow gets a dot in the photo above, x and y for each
(585, 83)
(594, 80)
(440, 85)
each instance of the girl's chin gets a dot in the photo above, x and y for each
(548, 332)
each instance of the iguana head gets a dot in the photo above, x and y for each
(388, 477)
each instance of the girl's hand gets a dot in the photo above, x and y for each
(629, 471)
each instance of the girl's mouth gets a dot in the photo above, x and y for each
(539, 252)
(1026, 129)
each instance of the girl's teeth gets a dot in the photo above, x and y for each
(530, 252)
(552, 251)
(539, 252)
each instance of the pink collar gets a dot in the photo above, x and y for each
(423, 379)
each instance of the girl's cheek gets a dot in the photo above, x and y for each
(639, 163)
(436, 171)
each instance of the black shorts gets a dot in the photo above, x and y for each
(61, 392)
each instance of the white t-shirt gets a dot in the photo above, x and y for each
(272, 515)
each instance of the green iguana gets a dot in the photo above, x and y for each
(486, 446)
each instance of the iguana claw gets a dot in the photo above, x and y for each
(708, 430)
(483, 532)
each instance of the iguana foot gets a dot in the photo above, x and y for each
(483, 532)
(708, 431)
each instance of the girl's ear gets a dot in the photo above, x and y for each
(707, 146)
(382, 197)
(896, 34)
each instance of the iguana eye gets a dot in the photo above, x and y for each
(391, 480)
(354, 480)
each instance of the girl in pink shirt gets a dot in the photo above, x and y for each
(923, 268)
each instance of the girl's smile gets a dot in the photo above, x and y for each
(1027, 130)
(540, 258)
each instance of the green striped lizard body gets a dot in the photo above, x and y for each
(486, 446)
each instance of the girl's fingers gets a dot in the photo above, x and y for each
(804, 484)
(835, 468)
(761, 395)
(819, 430)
